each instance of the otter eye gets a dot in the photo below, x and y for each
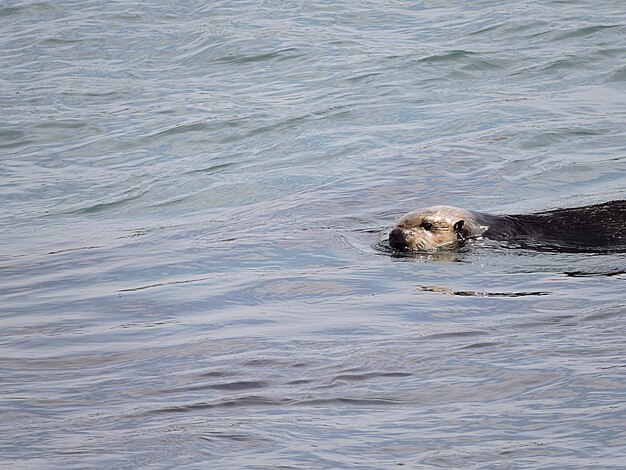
(427, 226)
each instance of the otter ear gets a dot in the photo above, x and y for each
(458, 229)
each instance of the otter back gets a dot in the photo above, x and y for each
(596, 226)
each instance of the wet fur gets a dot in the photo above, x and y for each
(596, 226)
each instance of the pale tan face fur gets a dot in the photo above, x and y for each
(433, 227)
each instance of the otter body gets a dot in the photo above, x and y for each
(580, 228)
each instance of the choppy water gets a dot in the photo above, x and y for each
(192, 194)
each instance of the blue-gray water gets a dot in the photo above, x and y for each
(192, 194)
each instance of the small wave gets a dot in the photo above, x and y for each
(211, 169)
(448, 56)
(618, 75)
(455, 334)
(248, 401)
(11, 138)
(483, 344)
(584, 31)
(368, 376)
(239, 385)
(104, 206)
(353, 401)
(282, 54)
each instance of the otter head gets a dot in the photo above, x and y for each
(434, 227)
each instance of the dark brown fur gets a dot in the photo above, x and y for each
(596, 226)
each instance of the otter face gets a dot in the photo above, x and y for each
(431, 228)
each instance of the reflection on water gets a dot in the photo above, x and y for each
(471, 293)
(195, 202)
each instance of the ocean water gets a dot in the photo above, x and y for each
(193, 198)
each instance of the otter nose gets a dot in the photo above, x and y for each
(398, 238)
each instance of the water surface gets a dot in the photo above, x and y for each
(192, 200)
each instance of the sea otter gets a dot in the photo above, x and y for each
(575, 229)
